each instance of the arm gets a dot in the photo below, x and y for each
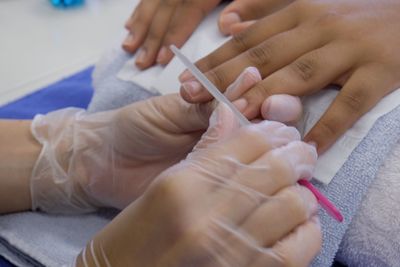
(18, 153)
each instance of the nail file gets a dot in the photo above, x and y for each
(324, 202)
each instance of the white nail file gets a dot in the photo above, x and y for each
(209, 85)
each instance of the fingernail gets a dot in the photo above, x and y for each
(229, 19)
(129, 39)
(185, 76)
(254, 73)
(141, 57)
(192, 88)
(162, 54)
(241, 104)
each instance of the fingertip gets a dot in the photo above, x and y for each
(283, 108)
(228, 19)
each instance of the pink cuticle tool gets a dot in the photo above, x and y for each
(323, 201)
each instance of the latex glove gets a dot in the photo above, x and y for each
(156, 24)
(232, 202)
(306, 46)
(107, 159)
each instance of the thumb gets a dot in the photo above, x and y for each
(222, 123)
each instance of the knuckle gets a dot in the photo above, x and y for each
(304, 68)
(219, 77)
(295, 203)
(169, 3)
(354, 101)
(195, 6)
(260, 55)
(327, 128)
(239, 42)
(259, 92)
(153, 35)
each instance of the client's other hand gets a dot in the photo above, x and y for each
(233, 201)
(156, 24)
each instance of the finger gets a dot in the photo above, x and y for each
(361, 92)
(268, 223)
(246, 80)
(257, 33)
(158, 28)
(291, 207)
(297, 249)
(244, 10)
(239, 27)
(250, 142)
(283, 108)
(139, 24)
(269, 56)
(304, 76)
(188, 17)
(265, 177)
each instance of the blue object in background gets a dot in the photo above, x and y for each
(75, 91)
(66, 3)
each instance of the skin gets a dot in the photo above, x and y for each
(194, 198)
(156, 24)
(253, 157)
(306, 46)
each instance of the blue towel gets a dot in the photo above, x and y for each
(75, 91)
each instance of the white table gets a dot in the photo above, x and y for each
(40, 44)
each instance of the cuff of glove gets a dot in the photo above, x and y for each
(53, 190)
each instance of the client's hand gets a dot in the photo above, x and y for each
(232, 202)
(308, 45)
(156, 24)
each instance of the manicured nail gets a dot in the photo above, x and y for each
(193, 88)
(185, 76)
(228, 19)
(129, 39)
(162, 54)
(241, 104)
(140, 59)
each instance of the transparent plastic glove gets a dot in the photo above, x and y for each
(109, 158)
(232, 202)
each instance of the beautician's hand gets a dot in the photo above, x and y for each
(308, 45)
(232, 202)
(109, 158)
(156, 24)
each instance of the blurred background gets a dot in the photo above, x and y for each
(41, 44)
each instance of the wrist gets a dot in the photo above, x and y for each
(18, 154)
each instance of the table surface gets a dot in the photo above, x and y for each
(40, 44)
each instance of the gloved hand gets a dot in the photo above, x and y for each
(232, 202)
(109, 158)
